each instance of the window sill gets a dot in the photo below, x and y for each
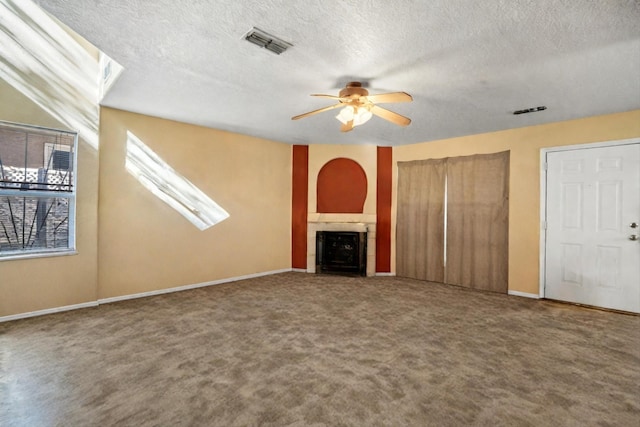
(19, 256)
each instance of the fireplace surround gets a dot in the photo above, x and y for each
(358, 223)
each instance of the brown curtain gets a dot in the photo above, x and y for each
(420, 220)
(478, 221)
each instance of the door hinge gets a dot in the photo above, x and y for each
(544, 225)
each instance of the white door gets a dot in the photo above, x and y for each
(593, 214)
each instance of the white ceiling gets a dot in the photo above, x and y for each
(467, 64)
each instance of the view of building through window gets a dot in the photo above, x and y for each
(37, 189)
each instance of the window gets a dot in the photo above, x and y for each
(37, 190)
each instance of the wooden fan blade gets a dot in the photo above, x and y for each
(321, 110)
(347, 127)
(326, 96)
(394, 118)
(390, 97)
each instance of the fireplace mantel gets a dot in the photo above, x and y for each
(341, 222)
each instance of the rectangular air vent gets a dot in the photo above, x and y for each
(530, 110)
(267, 41)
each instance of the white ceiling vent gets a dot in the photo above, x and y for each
(267, 41)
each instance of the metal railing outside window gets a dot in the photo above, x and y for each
(37, 190)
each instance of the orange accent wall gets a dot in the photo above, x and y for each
(383, 209)
(342, 187)
(299, 199)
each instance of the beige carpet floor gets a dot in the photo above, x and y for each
(296, 349)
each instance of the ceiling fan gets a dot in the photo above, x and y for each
(359, 106)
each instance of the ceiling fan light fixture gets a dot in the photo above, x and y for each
(362, 117)
(345, 115)
(359, 115)
(357, 107)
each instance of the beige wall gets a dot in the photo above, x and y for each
(145, 245)
(364, 155)
(524, 202)
(36, 284)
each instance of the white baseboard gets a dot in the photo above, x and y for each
(524, 294)
(48, 311)
(134, 296)
(386, 274)
(299, 270)
(187, 287)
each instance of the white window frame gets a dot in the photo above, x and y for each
(70, 248)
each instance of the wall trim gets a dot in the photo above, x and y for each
(139, 295)
(48, 311)
(299, 270)
(523, 294)
(385, 274)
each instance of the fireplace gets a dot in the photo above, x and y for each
(341, 252)
(354, 223)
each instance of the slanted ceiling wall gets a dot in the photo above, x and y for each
(43, 283)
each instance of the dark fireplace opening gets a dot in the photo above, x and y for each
(341, 252)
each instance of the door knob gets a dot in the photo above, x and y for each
(633, 237)
(633, 225)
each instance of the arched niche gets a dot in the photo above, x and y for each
(341, 187)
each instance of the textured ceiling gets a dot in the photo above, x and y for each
(467, 64)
